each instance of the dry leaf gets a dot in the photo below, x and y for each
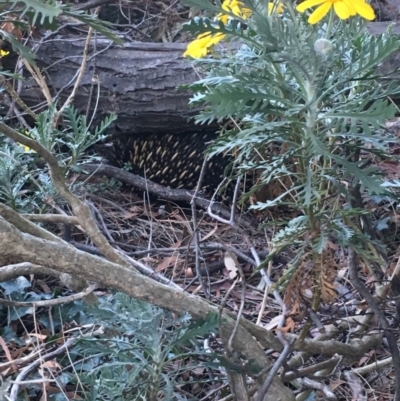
(52, 365)
(230, 264)
(210, 234)
(41, 337)
(6, 350)
(166, 262)
(290, 326)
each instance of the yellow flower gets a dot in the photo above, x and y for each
(205, 41)
(4, 53)
(235, 7)
(343, 8)
(26, 148)
(202, 44)
(277, 8)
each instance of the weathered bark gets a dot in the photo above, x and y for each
(138, 82)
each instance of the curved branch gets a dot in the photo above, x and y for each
(15, 244)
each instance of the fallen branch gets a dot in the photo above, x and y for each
(174, 195)
(22, 247)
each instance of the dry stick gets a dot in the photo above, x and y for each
(315, 319)
(100, 199)
(72, 95)
(95, 78)
(199, 276)
(149, 272)
(286, 344)
(233, 224)
(363, 370)
(26, 226)
(14, 95)
(51, 218)
(41, 82)
(310, 370)
(51, 302)
(263, 305)
(163, 192)
(95, 81)
(94, 72)
(19, 361)
(24, 372)
(90, 4)
(212, 246)
(319, 386)
(363, 291)
(232, 220)
(243, 296)
(212, 392)
(268, 381)
(237, 381)
(69, 83)
(97, 213)
(12, 105)
(15, 113)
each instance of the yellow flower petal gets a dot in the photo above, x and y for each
(308, 4)
(237, 8)
(350, 7)
(27, 149)
(201, 45)
(319, 13)
(223, 17)
(341, 10)
(273, 7)
(364, 9)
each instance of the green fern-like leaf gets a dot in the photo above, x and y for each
(49, 9)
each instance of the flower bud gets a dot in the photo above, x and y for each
(323, 46)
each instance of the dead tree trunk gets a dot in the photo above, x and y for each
(138, 82)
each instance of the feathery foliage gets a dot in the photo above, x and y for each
(309, 108)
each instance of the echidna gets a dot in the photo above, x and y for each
(172, 160)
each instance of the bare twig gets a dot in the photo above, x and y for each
(319, 386)
(51, 218)
(310, 370)
(38, 77)
(14, 95)
(363, 370)
(164, 192)
(237, 380)
(243, 295)
(51, 302)
(25, 225)
(82, 69)
(24, 372)
(268, 381)
(232, 219)
(196, 235)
